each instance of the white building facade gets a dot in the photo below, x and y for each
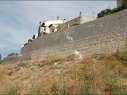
(50, 26)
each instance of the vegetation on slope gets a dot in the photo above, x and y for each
(94, 74)
(111, 11)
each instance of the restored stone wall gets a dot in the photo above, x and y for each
(107, 33)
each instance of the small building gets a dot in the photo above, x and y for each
(50, 26)
(76, 21)
(59, 25)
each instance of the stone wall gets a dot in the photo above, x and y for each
(121, 3)
(107, 33)
(76, 21)
(12, 60)
(73, 22)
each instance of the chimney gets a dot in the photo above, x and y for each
(80, 14)
(58, 17)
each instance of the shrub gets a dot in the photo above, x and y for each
(59, 90)
(12, 55)
(100, 56)
(54, 89)
(1, 61)
(25, 44)
(30, 40)
(115, 88)
(13, 90)
(38, 91)
(85, 90)
(122, 54)
(110, 11)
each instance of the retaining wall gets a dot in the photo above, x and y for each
(109, 32)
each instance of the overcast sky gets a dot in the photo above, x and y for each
(19, 19)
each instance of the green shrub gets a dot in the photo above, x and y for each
(85, 90)
(122, 54)
(38, 91)
(115, 88)
(12, 54)
(100, 56)
(1, 61)
(13, 90)
(56, 90)
(110, 11)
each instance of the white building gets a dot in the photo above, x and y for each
(50, 26)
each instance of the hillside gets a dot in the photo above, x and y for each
(74, 74)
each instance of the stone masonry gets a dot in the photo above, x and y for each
(107, 33)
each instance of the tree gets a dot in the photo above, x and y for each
(111, 11)
(105, 12)
(25, 44)
(12, 55)
(0, 57)
(30, 40)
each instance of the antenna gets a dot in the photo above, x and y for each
(39, 27)
(40, 23)
(58, 17)
(80, 14)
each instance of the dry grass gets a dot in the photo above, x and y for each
(59, 74)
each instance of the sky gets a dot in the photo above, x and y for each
(19, 20)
